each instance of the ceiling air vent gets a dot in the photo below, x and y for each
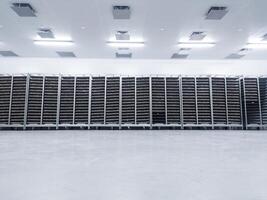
(45, 33)
(121, 12)
(66, 54)
(216, 13)
(264, 38)
(24, 9)
(8, 54)
(179, 56)
(234, 56)
(123, 55)
(184, 51)
(123, 49)
(244, 51)
(197, 36)
(122, 35)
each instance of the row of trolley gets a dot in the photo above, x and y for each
(34, 101)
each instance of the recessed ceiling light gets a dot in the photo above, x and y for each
(54, 42)
(262, 45)
(195, 44)
(162, 29)
(83, 27)
(126, 44)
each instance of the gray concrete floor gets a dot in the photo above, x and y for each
(133, 165)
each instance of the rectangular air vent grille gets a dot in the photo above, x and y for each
(66, 54)
(264, 37)
(216, 13)
(197, 36)
(121, 12)
(123, 55)
(235, 56)
(179, 56)
(8, 54)
(122, 35)
(23, 9)
(45, 33)
(243, 51)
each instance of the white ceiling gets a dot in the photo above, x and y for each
(179, 18)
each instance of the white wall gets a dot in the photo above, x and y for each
(132, 67)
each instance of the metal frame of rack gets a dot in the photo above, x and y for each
(37, 101)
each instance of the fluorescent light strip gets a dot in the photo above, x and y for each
(256, 46)
(195, 45)
(54, 42)
(126, 44)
